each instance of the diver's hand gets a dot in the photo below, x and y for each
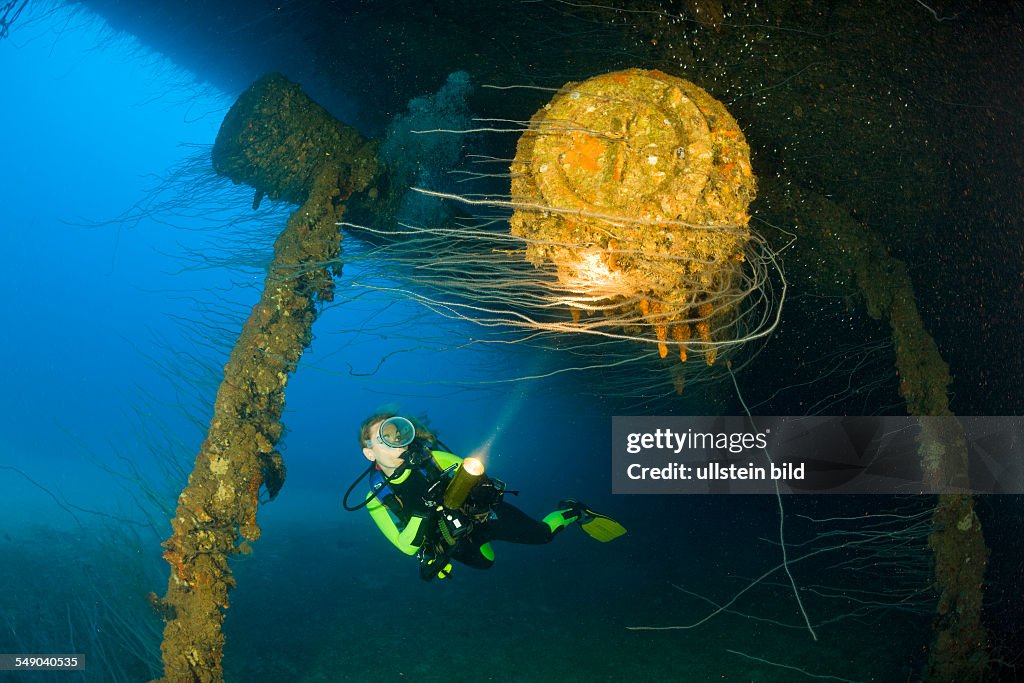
(434, 495)
(434, 564)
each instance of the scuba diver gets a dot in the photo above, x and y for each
(440, 507)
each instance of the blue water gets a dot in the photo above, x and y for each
(125, 281)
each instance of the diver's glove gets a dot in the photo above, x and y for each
(433, 565)
(443, 529)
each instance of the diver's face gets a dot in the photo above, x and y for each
(387, 457)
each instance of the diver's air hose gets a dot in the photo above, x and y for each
(360, 506)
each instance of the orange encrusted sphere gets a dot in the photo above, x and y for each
(635, 186)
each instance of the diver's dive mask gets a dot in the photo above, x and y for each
(400, 432)
(395, 432)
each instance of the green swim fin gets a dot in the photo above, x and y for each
(598, 526)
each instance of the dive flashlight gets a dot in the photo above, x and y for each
(466, 477)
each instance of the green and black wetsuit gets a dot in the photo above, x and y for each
(399, 512)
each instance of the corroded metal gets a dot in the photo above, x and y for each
(288, 147)
(636, 184)
(847, 249)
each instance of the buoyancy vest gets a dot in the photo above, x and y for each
(403, 497)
